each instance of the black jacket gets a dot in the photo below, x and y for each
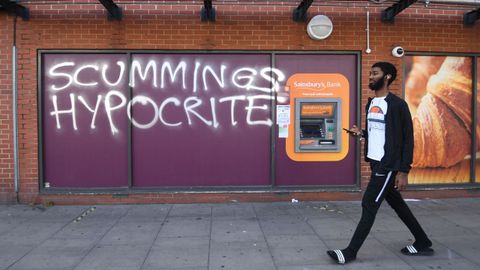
(398, 135)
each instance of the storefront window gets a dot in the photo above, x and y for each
(148, 120)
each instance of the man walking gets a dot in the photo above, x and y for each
(389, 149)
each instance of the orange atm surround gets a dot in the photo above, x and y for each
(319, 109)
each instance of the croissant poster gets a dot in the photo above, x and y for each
(438, 90)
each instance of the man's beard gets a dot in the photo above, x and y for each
(375, 86)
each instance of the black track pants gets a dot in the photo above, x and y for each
(381, 186)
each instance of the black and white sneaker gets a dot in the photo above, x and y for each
(412, 251)
(340, 256)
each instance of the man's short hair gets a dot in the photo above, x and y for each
(387, 69)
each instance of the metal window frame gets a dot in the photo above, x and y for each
(131, 189)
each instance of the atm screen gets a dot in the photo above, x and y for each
(318, 124)
(311, 131)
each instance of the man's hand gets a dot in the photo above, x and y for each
(401, 181)
(355, 131)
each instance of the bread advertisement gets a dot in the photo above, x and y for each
(438, 90)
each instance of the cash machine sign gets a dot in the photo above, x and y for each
(324, 110)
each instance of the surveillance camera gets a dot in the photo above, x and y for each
(398, 51)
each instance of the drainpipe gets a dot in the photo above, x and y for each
(367, 30)
(14, 109)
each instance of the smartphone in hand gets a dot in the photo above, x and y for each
(350, 132)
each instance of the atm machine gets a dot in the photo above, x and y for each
(318, 123)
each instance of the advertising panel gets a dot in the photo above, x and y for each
(438, 90)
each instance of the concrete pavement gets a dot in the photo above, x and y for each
(282, 235)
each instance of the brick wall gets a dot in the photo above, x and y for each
(176, 27)
(6, 143)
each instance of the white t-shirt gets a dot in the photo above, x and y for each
(376, 128)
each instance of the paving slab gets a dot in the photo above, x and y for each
(31, 233)
(178, 252)
(333, 228)
(186, 226)
(233, 211)
(275, 209)
(55, 254)
(85, 228)
(279, 241)
(438, 225)
(241, 255)
(454, 264)
(285, 225)
(236, 230)
(457, 217)
(300, 255)
(466, 246)
(146, 212)
(189, 210)
(132, 233)
(114, 257)
(10, 254)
